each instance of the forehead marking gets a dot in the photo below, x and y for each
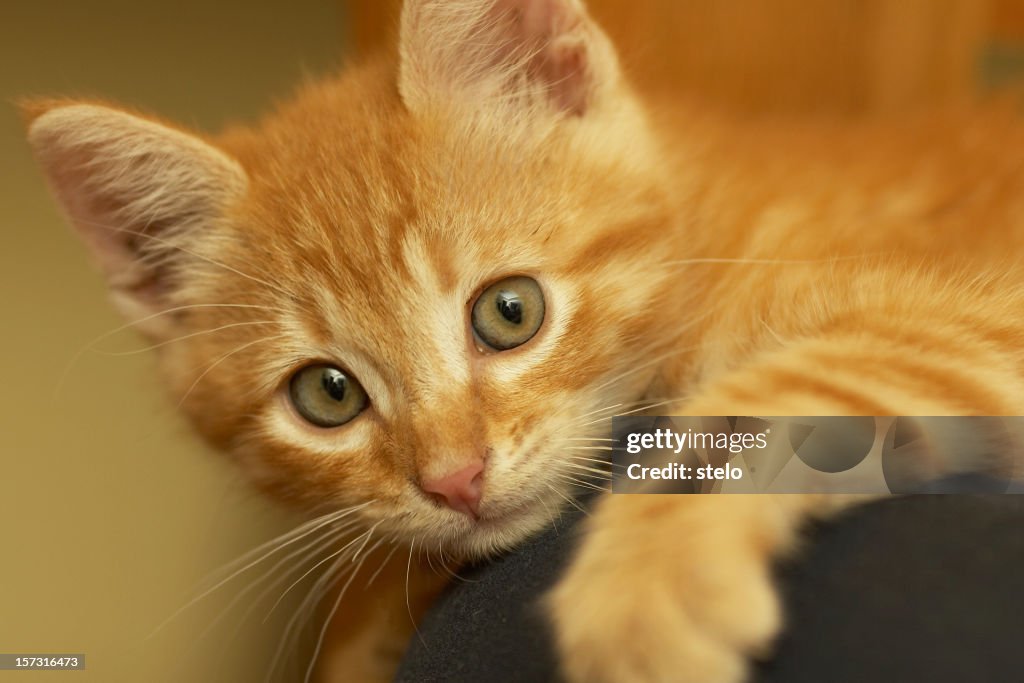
(437, 313)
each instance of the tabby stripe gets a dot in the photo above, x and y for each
(928, 376)
(775, 381)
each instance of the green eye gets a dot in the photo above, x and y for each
(509, 312)
(326, 396)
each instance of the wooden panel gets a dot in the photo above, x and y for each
(1008, 20)
(923, 52)
(374, 23)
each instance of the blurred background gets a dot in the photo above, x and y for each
(111, 512)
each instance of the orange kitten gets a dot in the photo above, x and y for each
(411, 298)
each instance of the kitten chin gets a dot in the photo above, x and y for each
(492, 536)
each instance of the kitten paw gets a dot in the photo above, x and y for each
(648, 600)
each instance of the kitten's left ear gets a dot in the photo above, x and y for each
(134, 190)
(504, 54)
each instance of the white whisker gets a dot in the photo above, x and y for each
(220, 360)
(579, 482)
(641, 409)
(320, 543)
(277, 546)
(330, 618)
(570, 501)
(592, 470)
(654, 361)
(408, 603)
(186, 336)
(336, 553)
(172, 245)
(316, 593)
(766, 261)
(599, 461)
(106, 335)
(382, 565)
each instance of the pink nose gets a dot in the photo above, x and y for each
(459, 490)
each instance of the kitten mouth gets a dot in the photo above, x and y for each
(507, 524)
(496, 533)
(501, 524)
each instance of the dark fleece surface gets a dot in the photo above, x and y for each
(926, 588)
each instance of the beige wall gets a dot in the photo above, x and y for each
(110, 511)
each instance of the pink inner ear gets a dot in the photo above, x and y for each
(119, 248)
(128, 185)
(555, 34)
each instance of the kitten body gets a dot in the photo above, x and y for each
(706, 265)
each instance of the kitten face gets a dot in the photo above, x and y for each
(379, 254)
(355, 230)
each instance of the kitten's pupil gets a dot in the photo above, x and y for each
(510, 306)
(334, 383)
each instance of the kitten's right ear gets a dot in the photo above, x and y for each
(505, 56)
(133, 189)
